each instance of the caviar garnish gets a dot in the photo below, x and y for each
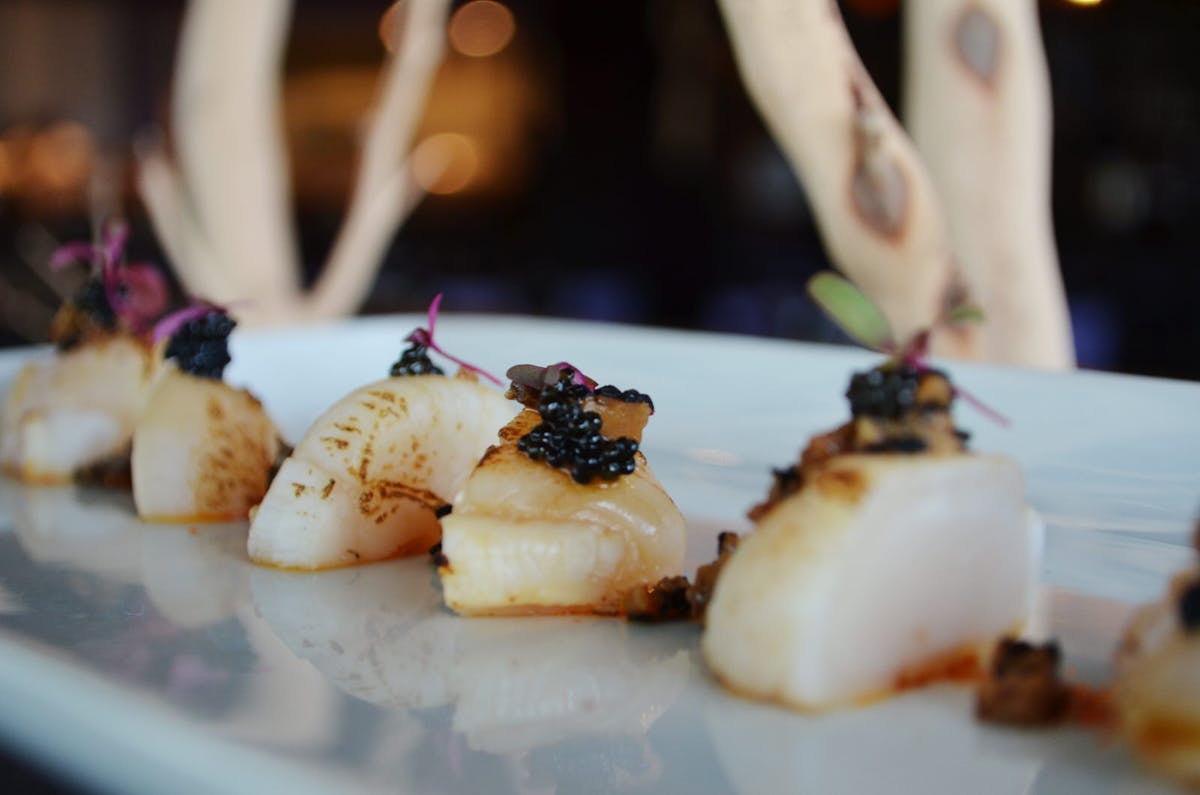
(415, 361)
(120, 293)
(625, 396)
(568, 437)
(92, 301)
(201, 345)
(892, 390)
(1189, 607)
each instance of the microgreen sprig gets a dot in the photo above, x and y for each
(863, 322)
(136, 292)
(170, 325)
(424, 337)
(538, 378)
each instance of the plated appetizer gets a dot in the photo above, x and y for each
(202, 449)
(886, 557)
(563, 515)
(373, 474)
(71, 415)
(1158, 680)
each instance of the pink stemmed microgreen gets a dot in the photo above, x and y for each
(862, 321)
(170, 325)
(424, 337)
(538, 378)
(136, 292)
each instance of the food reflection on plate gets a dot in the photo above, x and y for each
(193, 576)
(77, 527)
(852, 751)
(380, 634)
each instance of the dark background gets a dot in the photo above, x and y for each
(623, 173)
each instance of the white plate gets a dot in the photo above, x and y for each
(155, 659)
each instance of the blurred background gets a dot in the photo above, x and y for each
(606, 163)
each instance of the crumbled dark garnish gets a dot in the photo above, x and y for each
(569, 437)
(705, 580)
(1189, 607)
(899, 444)
(1023, 688)
(674, 598)
(784, 483)
(443, 511)
(415, 361)
(436, 557)
(667, 600)
(201, 345)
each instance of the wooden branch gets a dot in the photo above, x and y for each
(384, 193)
(978, 106)
(876, 210)
(165, 198)
(231, 149)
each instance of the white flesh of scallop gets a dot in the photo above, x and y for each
(364, 482)
(1158, 687)
(525, 538)
(202, 451)
(880, 565)
(74, 410)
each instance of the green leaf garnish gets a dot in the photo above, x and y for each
(965, 313)
(852, 311)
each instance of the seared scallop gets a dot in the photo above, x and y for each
(75, 409)
(878, 571)
(527, 538)
(371, 476)
(202, 451)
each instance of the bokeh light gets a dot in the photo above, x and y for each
(60, 157)
(481, 28)
(445, 162)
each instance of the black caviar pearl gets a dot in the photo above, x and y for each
(888, 391)
(201, 346)
(92, 300)
(570, 437)
(415, 361)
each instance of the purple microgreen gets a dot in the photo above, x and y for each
(554, 373)
(982, 408)
(527, 375)
(172, 323)
(538, 378)
(112, 241)
(136, 293)
(916, 349)
(852, 311)
(424, 337)
(70, 253)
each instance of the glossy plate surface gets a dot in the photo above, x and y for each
(153, 659)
